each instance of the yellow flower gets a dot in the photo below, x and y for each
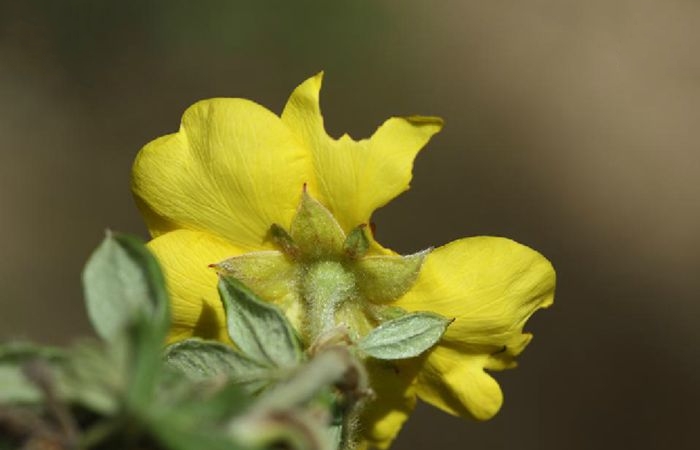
(214, 189)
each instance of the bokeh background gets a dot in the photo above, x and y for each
(571, 126)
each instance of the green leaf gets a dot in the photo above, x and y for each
(97, 376)
(289, 415)
(122, 282)
(198, 420)
(300, 429)
(212, 401)
(88, 374)
(127, 303)
(258, 328)
(177, 430)
(331, 367)
(21, 351)
(15, 387)
(202, 360)
(405, 337)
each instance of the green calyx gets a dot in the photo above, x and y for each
(323, 278)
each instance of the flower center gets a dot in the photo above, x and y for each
(325, 287)
(322, 277)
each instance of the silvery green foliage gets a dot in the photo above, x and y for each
(405, 337)
(131, 395)
(196, 394)
(266, 345)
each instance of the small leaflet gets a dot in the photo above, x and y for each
(258, 328)
(405, 337)
(123, 283)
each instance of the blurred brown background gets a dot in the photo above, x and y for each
(572, 127)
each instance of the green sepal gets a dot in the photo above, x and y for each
(315, 230)
(202, 360)
(356, 244)
(123, 283)
(258, 328)
(383, 279)
(271, 274)
(405, 337)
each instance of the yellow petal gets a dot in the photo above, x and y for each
(356, 177)
(185, 257)
(491, 286)
(383, 417)
(232, 170)
(456, 383)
